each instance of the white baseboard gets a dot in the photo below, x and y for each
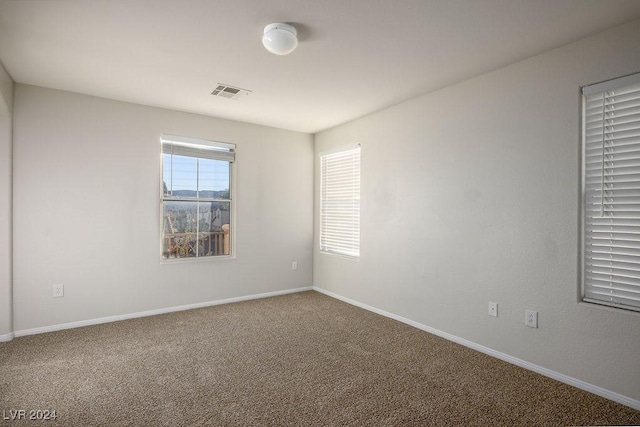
(6, 337)
(607, 394)
(119, 317)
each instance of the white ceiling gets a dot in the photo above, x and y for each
(354, 57)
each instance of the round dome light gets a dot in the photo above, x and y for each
(280, 39)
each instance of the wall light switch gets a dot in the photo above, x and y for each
(294, 265)
(493, 309)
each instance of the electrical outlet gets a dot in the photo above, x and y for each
(58, 290)
(294, 265)
(531, 318)
(493, 309)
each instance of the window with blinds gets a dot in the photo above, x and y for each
(196, 202)
(611, 193)
(340, 202)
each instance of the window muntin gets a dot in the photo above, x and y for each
(196, 202)
(611, 193)
(340, 202)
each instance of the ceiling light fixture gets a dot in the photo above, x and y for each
(280, 39)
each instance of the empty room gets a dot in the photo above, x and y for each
(279, 212)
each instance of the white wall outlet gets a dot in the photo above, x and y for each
(493, 309)
(58, 290)
(294, 265)
(531, 318)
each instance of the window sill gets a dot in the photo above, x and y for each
(334, 254)
(169, 261)
(610, 308)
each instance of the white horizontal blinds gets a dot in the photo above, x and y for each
(612, 193)
(340, 202)
(191, 147)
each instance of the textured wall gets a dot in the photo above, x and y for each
(86, 209)
(471, 194)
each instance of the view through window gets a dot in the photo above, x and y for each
(196, 198)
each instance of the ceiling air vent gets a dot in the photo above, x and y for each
(231, 92)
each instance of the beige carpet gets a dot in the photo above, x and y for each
(300, 359)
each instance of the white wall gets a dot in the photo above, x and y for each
(86, 210)
(6, 107)
(471, 194)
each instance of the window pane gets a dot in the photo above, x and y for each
(166, 174)
(193, 225)
(214, 179)
(214, 232)
(184, 171)
(179, 229)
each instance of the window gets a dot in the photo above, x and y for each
(611, 193)
(196, 198)
(340, 202)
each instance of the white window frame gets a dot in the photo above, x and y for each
(340, 202)
(610, 273)
(216, 150)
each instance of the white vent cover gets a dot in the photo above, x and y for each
(230, 92)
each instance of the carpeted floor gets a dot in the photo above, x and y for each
(300, 359)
